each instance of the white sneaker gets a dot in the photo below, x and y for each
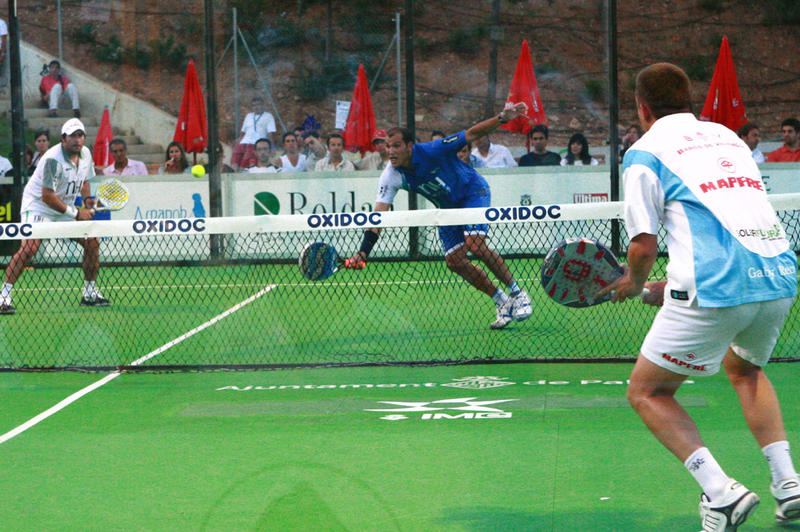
(6, 307)
(787, 495)
(504, 314)
(521, 309)
(729, 511)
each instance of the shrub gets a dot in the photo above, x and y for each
(715, 6)
(697, 67)
(781, 11)
(112, 52)
(595, 89)
(84, 34)
(464, 40)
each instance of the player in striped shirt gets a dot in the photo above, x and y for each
(731, 280)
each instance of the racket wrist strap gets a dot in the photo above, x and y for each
(368, 242)
(71, 211)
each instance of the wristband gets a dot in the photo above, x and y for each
(71, 211)
(367, 243)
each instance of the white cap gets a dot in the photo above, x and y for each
(71, 126)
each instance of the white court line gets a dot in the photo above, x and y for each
(108, 378)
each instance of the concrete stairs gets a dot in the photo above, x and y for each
(36, 118)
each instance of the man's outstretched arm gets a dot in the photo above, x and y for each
(509, 112)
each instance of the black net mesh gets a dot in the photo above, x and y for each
(239, 300)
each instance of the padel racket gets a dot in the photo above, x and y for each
(576, 269)
(112, 195)
(319, 260)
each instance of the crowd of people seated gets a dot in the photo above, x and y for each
(303, 149)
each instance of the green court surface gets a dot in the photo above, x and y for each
(540, 447)
(389, 312)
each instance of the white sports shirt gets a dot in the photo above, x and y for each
(726, 245)
(257, 127)
(56, 171)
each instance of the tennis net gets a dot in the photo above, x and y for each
(228, 293)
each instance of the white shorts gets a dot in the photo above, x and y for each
(34, 216)
(693, 340)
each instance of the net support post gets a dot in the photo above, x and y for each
(613, 116)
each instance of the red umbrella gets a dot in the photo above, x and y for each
(724, 101)
(525, 89)
(192, 128)
(102, 152)
(360, 120)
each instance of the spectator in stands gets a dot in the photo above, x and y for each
(53, 85)
(632, 134)
(540, 156)
(292, 160)
(41, 139)
(465, 154)
(790, 151)
(375, 160)
(256, 125)
(222, 167)
(263, 158)
(5, 166)
(28, 157)
(3, 54)
(578, 152)
(122, 165)
(493, 155)
(334, 161)
(751, 135)
(175, 162)
(436, 134)
(311, 146)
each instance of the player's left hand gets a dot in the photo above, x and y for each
(90, 203)
(355, 263)
(513, 110)
(655, 295)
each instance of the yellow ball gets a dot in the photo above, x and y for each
(198, 170)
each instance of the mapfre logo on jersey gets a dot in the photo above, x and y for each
(726, 165)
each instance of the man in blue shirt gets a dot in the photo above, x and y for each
(434, 170)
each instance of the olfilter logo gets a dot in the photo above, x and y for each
(266, 203)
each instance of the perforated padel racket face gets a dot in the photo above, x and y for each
(318, 261)
(576, 269)
(112, 195)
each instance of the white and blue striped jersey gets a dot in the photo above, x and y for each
(726, 245)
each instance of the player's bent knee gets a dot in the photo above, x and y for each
(455, 264)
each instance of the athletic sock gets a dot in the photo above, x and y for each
(513, 289)
(499, 297)
(6, 292)
(780, 461)
(88, 288)
(707, 472)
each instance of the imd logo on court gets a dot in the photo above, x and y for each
(463, 408)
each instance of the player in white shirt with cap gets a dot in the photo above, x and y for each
(63, 172)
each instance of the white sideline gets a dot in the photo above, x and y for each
(108, 378)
